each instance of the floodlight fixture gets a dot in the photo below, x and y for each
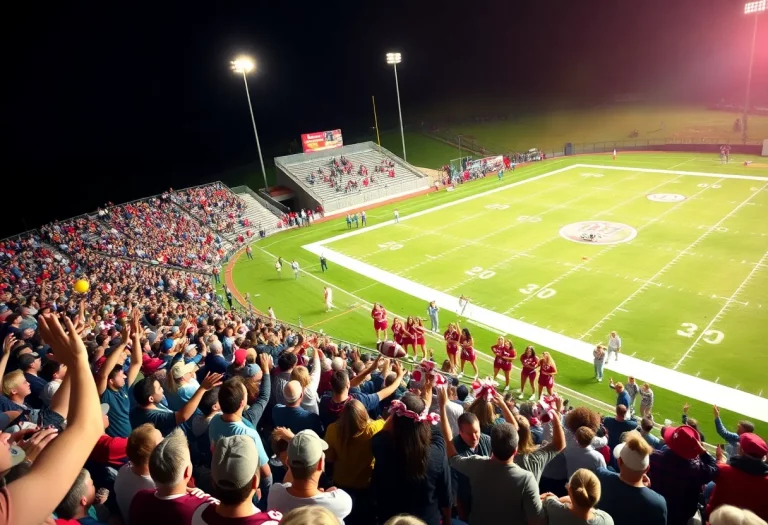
(396, 58)
(243, 65)
(755, 7)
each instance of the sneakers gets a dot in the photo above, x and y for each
(533, 397)
(461, 374)
(506, 388)
(521, 396)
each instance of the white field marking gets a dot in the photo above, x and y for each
(364, 287)
(686, 385)
(609, 248)
(684, 162)
(664, 268)
(719, 314)
(675, 172)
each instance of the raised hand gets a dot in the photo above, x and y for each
(715, 411)
(8, 343)
(211, 381)
(442, 396)
(67, 346)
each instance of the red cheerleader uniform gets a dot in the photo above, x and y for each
(468, 352)
(529, 368)
(397, 333)
(501, 352)
(419, 332)
(451, 342)
(379, 319)
(545, 377)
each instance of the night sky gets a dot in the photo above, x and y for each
(115, 103)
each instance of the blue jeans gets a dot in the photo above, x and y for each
(435, 324)
(599, 369)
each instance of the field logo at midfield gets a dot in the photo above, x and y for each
(598, 232)
(666, 197)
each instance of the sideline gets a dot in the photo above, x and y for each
(684, 384)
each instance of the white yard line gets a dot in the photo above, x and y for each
(667, 266)
(731, 299)
(674, 172)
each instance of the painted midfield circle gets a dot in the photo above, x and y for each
(598, 232)
(666, 197)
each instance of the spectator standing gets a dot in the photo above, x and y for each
(291, 415)
(53, 372)
(618, 425)
(598, 355)
(584, 457)
(309, 381)
(78, 501)
(324, 262)
(411, 456)
(469, 441)
(363, 217)
(679, 471)
(306, 461)
(30, 364)
(632, 389)
(433, 312)
(534, 458)
(170, 503)
(134, 476)
(689, 421)
(622, 397)
(235, 476)
(731, 438)
(743, 481)
(646, 426)
(614, 346)
(496, 479)
(646, 401)
(625, 495)
(579, 506)
(249, 252)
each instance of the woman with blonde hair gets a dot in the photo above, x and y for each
(532, 457)
(505, 355)
(309, 515)
(350, 452)
(578, 507)
(452, 337)
(180, 384)
(646, 401)
(404, 519)
(310, 382)
(547, 372)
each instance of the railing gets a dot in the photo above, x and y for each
(679, 144)
(360, 199)
(264, 199)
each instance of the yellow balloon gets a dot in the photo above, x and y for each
(81, 286)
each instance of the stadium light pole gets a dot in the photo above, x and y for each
(244, 65)
(754, 9)
(395, 59)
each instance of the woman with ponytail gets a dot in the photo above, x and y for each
(578, 507)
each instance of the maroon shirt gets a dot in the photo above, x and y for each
(148, 508)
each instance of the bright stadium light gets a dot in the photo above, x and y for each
(244, 65)
(754, 9)
(394, 59)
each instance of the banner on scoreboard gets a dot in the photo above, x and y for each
(321, 140)
(488, 163)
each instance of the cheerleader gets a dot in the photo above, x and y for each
(421, 341)
(452, 337)
(468, 353)
(379, 315)
(505, 354)
(529, 361)
(397, 330)
(547, 372)
(410, 336)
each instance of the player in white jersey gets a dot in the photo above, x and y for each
(328, 295)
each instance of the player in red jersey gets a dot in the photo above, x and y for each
(505, 354)
(379, 315)
(468, 353)
(547, 371)
(452, 343)
(421, 341)
(528, 373)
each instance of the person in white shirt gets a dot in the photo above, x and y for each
(614, 347)
(271, 313)
(54, 373)
(306, 461)
(134, 476)
(328, 294)
(295, 268)
(397, 216)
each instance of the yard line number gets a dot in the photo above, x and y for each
(390, 245)
(713, 186)
(497, 206)
(480, 273)
(538, 291)
(713, 337)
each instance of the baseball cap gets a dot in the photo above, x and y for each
(240, 356)
(632, 459)
(683, 441)
(151, 365)
(306, 449)
(251, 370)
(151, 337)
(180, 369)
(235, 461)
(753, 445)
(167, 345)
(27, 359)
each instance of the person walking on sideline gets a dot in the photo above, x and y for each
(432, 310)
(349, 221)
(397, 216)
(614, 347)
(614, 153)
(501, 174)
(362, 217)
(323, 263)
(599, 356)
(295, 268)
(328, 295)
(356, 220)
(249, 252)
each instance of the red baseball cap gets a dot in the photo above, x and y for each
(753, 445)
(151, 365)
(683, 441)
(240, 356)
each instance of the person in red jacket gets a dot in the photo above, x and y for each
(743, 481)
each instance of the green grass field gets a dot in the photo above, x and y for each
(505, 250)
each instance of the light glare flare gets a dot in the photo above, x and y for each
(395, 58)
(243, 64)
(755, 7)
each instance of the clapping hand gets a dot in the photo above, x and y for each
(8, 343)
(211, 381)
(67, 346)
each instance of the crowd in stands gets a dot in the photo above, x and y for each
(134, 408)
(213, 204)
(342, 175)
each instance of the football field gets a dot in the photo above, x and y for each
(674, 261)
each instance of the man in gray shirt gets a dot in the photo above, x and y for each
(502, 492)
